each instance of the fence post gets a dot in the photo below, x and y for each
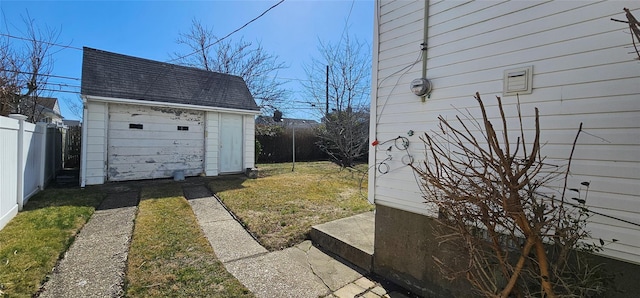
(43, 153)
(20, 184)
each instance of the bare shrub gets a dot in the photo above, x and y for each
(521, 236)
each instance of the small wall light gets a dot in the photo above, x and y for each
(420, 87)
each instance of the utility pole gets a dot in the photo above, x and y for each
(327, 93)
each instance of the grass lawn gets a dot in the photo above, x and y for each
(32, 242)
(281, 206)
(169, 255)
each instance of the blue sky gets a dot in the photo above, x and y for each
(149, 29)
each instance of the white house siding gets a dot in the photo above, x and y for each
(159, 148)
(211, 166)
(96, 142)
(583, 72)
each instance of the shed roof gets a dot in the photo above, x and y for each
(115, 75)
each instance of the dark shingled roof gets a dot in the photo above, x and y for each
(119, 76)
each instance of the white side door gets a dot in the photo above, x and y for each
(231, 143)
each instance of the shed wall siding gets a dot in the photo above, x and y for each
(212, 144)
(96, 142)
(582, 72)
(249, 141)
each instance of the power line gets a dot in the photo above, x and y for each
(346, 23)
(62, 84)
(64, 91)
(41, 74)
(41, 41)
(232, 32)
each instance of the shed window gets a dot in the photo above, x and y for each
(135, 126)
(183, 127)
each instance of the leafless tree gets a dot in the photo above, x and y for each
(521, 237)
(26, 67)
(252, 62)
(344, 132)
(9, 89)
(344, 136)
(349, 63)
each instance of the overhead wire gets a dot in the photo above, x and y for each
(346, 24)
(41, 74)
(41, 41)
(228, 35)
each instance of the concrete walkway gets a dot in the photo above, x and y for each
(300, 271)
(94, 265)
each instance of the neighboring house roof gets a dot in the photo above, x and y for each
(107, 74)
(49, 103)
(45, 107)
(72, 122)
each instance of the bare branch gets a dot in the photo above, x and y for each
(252, 62)
(496, 199)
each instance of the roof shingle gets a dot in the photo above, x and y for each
(115, 75)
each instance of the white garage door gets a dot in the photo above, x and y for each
(152, 142)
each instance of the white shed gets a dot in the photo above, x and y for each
(568, 58)
(146, 119)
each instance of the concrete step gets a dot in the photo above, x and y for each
(67, 178)
(350, 238)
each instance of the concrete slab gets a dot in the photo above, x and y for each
(300, 271)
(108, 218)
(94, 265)
(332, 273)
(192, 192)
(276, 274)
(350, 238)
(349, 291)
(230, 241)
(208, 209)
(357, 230)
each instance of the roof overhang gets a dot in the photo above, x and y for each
(166, 104)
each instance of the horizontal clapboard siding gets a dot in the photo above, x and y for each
(96, 142)
(583, 72)
(249, 140)
(212, 144)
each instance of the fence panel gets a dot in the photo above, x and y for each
(30, 156)
(34, 140)
(8, 168)
(53, 156)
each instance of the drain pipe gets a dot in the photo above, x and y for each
(424, 45)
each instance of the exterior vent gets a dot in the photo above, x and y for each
(518, 81)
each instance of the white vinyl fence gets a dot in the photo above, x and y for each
(27, 162)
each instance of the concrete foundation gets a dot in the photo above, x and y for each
(406, 245)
